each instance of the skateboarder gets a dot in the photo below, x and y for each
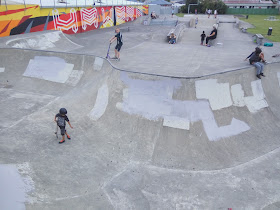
(118, 47)
(255, 59)
(60, 119)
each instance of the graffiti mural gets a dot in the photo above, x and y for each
(129, 13)
(65, 24)
(20, 20)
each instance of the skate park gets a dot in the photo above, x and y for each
(179, 126)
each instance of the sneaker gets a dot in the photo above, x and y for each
(61, 142)
(68, 137)
(118, 59)
(115, 57)
(258, 75)
(262, 74)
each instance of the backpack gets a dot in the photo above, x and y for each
(268, 44)
(60, 121)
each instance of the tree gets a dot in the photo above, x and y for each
(219, 5)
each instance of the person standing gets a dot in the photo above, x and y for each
(60, 119)
(256, 59)
(215, 13)
(209, 12)
(202, 36)
(119, 39)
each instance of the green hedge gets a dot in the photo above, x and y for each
(252, 11)
(203, 5)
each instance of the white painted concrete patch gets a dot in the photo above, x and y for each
(237, 95)
(218, 94)
(98, 63)
(100, 103)
(74, 77)
(14, 187)
(278, 75)
(257, 101)
(215, 133)
(176, 122)
(54, 69)
(41, 42)
(2, 70)
(254, 103)
(153, 101)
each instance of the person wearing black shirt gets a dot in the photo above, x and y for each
(60, 119)
(255, 59)
(118, 47)
(202, 36)
(212, 35)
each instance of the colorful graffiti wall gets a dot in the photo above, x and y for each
(19, 20)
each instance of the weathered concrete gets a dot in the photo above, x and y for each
(142, 141)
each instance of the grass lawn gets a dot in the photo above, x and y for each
(263, 25)
(180, 14)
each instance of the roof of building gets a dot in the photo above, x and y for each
(160, 2)
(247, 2)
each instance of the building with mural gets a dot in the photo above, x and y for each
(21, 19)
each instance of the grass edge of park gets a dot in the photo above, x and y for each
(261, 26)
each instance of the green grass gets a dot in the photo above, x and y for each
(261, 26)
(180, 14)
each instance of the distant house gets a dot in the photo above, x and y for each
(251, 4)
(160, 2)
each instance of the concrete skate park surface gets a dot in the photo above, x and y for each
(139, 141)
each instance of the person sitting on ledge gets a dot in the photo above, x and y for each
(172, 39)
(256, 59)
(153, 15)
(212, 35)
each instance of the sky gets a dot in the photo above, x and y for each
(74, 3)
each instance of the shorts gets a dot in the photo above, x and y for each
(62, 130)
(118, 47)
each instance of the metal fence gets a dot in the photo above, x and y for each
(70, 3)
(162, 10)
(252, 11)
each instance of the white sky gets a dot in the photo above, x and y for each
(74, 3)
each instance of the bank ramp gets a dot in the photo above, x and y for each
(51, 40)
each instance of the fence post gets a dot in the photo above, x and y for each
(24, 5)
(6, 5)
